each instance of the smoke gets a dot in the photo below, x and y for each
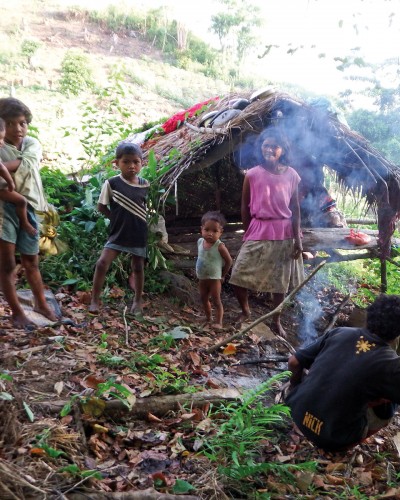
(311, 312)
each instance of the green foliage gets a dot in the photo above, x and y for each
(60, 191)
(381, 129)
(29, 48)
(240, 436)
(75, 471)
(107, 389)
(76, 74)
(171, 381)
(138, 362)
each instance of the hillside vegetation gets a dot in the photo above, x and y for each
(130, 84)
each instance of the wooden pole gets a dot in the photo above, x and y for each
(383, 276)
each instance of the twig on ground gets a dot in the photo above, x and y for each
(287, 344)
(266, 316)
(4, 469)
(126, 327)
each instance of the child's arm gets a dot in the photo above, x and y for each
(103, 209)
(224, 252)
(7, 177)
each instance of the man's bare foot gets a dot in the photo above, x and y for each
(217, 326)
(22, 322)
(47, 312)
(28, 228)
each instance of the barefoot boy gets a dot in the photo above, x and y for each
(213, 263)
(21, 156)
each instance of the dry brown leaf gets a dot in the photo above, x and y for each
(153, 418)
(335, 467)
(58, 387)
(196, 360)
(334, 479)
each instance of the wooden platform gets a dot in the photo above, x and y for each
(330, 240)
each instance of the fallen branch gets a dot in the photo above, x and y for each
(22, 352)
(270, 359)
(157, 405)
(268, 315)
(344, 302)
(148, 494)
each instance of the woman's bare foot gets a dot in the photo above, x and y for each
(278, 329)
(47, 312)
(28, 228)
(243, 317)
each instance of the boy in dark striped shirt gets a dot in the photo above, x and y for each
(123, 201)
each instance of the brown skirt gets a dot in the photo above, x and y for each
(267, 266)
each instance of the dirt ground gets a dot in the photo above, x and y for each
(43, 451)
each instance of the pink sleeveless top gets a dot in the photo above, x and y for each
(270, 196)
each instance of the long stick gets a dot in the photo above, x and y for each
(336, 314)
(277, 309)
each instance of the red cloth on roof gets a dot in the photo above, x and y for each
(175, 121)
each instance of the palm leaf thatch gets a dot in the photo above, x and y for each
(317, 136)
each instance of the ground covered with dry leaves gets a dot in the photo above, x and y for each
(66, 431)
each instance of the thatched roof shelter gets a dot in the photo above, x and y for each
(318, 139)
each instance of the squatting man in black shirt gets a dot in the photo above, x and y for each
(352, 386)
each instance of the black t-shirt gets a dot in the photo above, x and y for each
(348, 368)
(128, 224)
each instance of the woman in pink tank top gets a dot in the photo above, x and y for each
(271, 218)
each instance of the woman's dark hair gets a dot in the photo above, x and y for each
(280, 138)
(2, 125)
(215, 216)
(383, 317)
(13, 108)
(128, 148)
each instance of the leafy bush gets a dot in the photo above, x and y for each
(29, 48)
(76, 74)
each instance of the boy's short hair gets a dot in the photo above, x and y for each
(383, 317)
(128, 148)
(215, 216)
(2, 125)
(13, 108)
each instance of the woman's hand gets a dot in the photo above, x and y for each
(297, 250)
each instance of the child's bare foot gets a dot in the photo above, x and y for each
(28, 228)
(93, 308)
(47, 312)
(22, 322)
(136, 309)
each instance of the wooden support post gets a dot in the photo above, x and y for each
(383, 276)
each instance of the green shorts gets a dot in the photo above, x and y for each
(11, 232)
